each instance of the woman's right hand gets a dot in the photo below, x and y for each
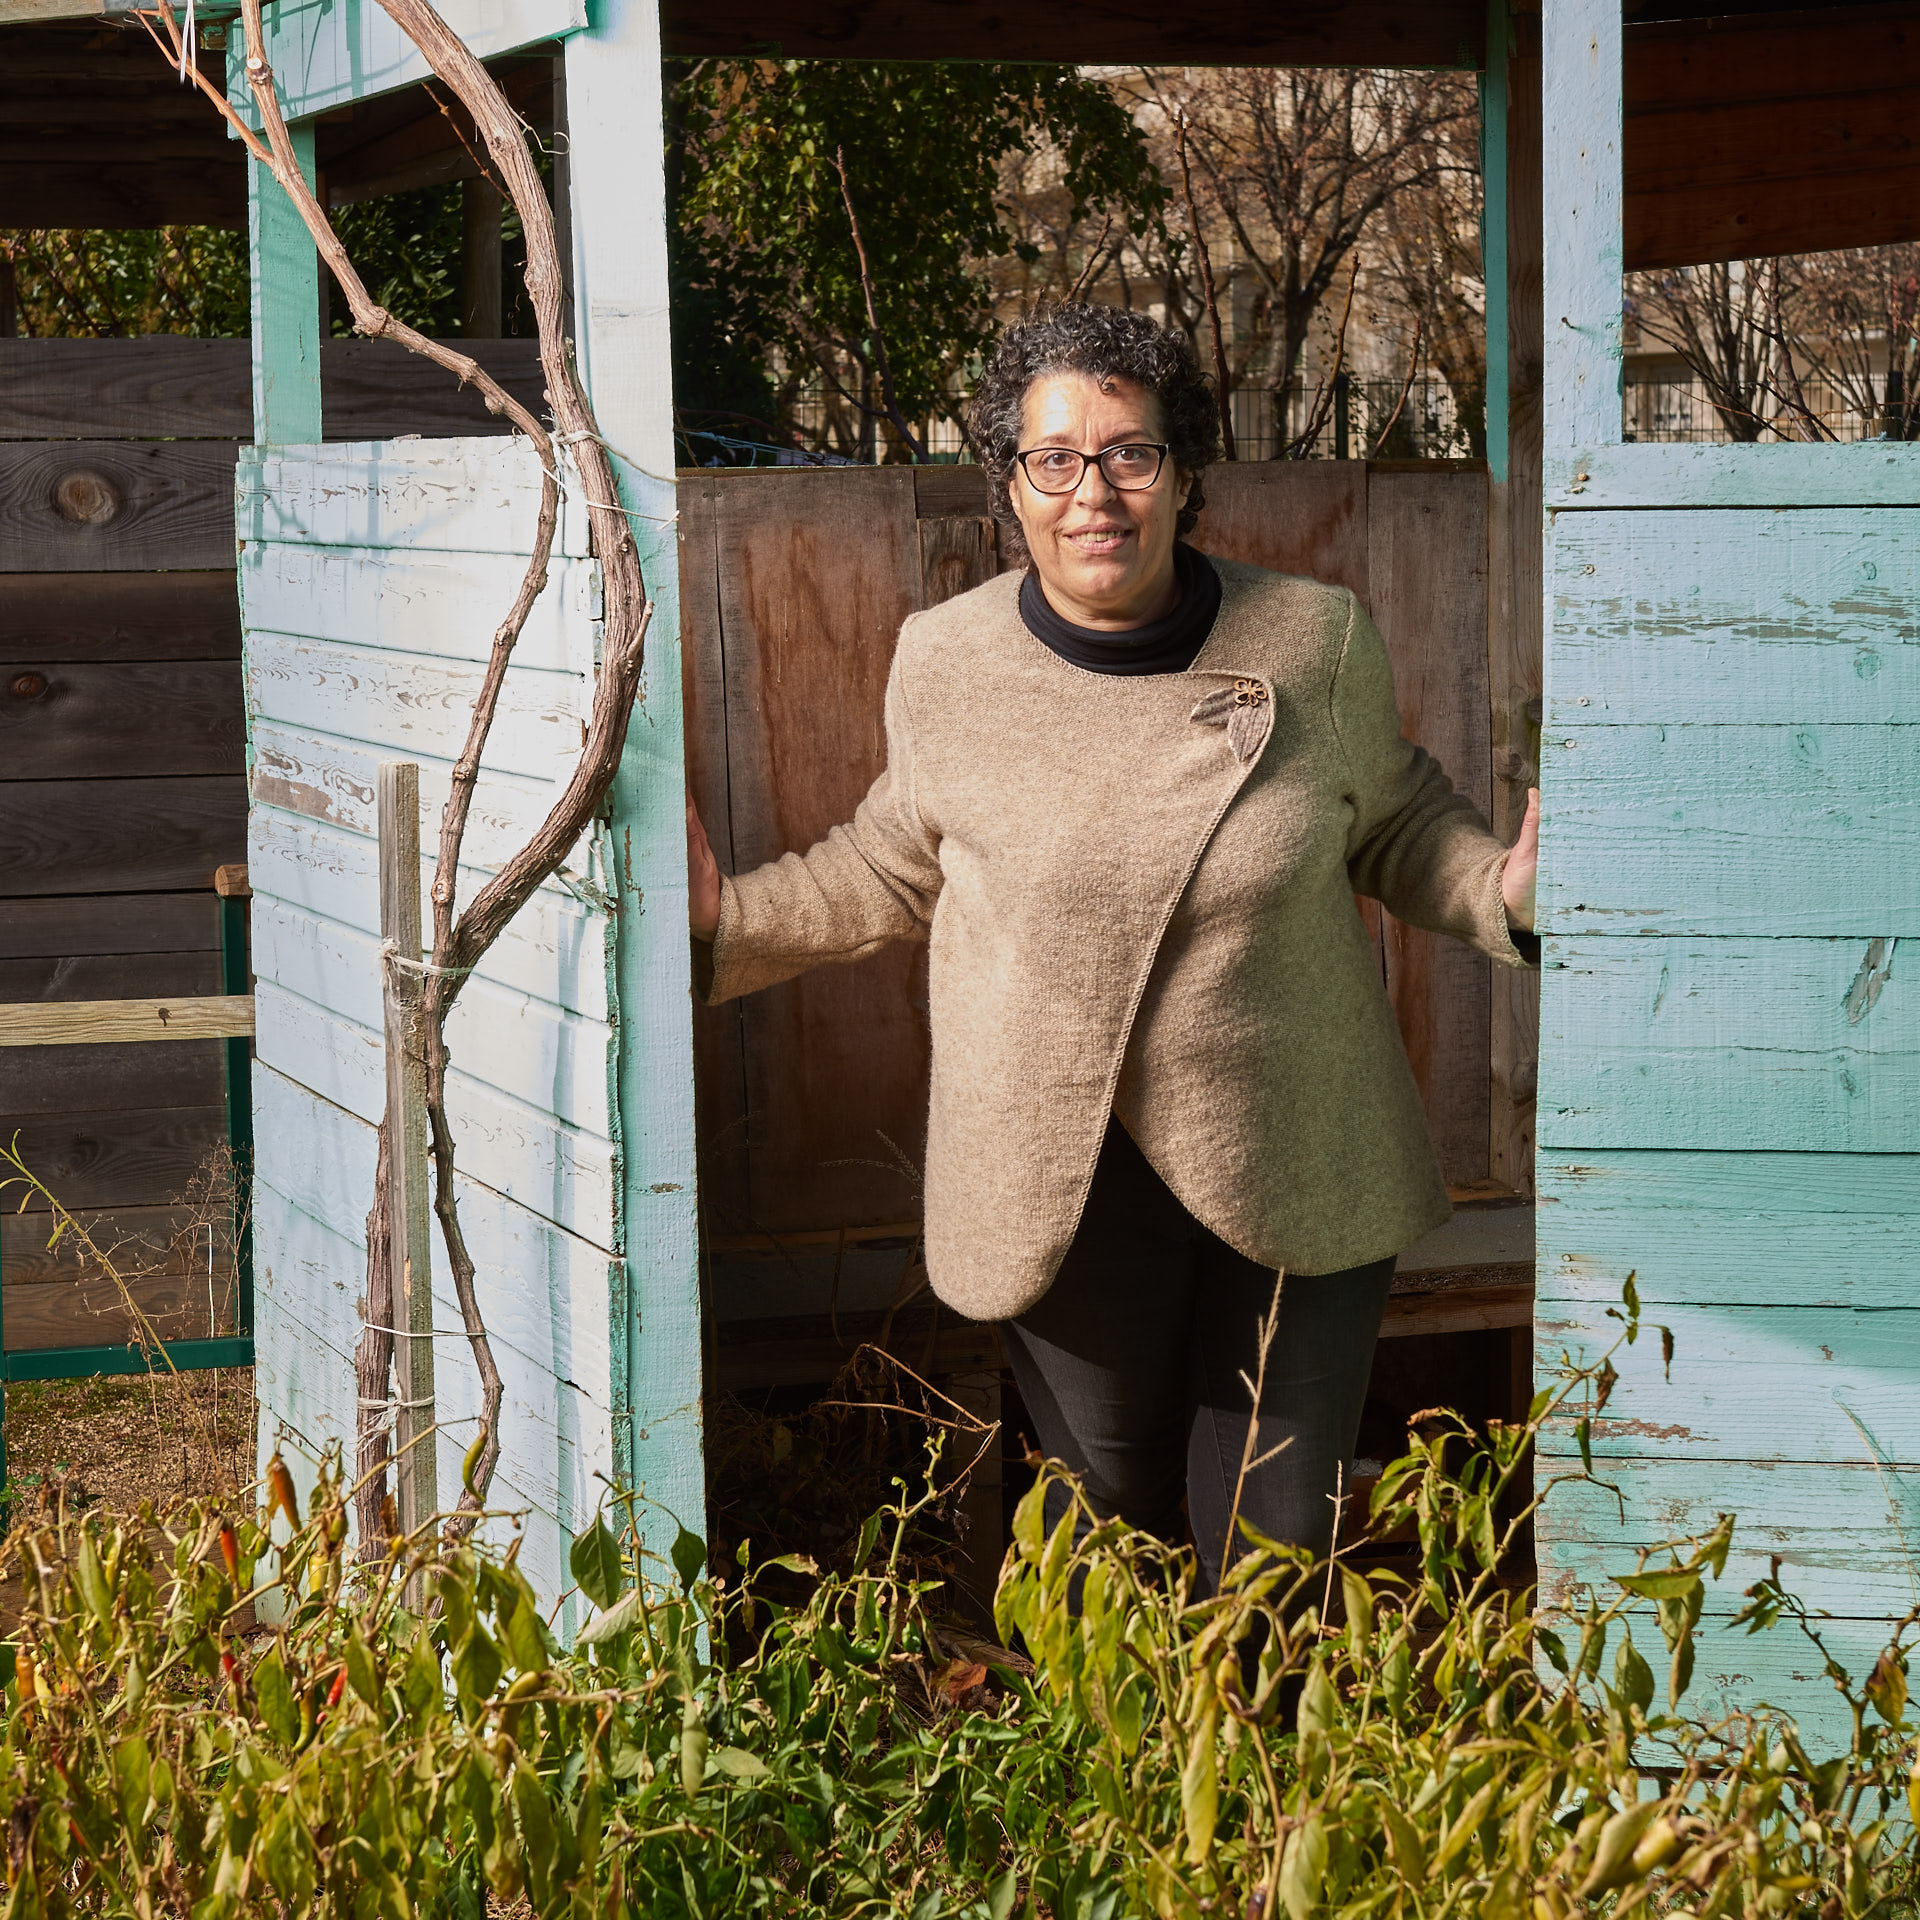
(703, 880)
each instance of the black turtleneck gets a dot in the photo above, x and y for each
(1167, 645)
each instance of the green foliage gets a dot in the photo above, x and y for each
(765, 234)
(1313, 1740)
(406, 247)
(113, 282)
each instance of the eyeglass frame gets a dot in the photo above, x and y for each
(1161, 447)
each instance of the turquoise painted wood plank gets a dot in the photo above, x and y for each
(1580, 180)
(1847, 1538)
(619, 236)
(445, 496)
(1765, 616)
(1866, 473)
(1727, 1044)
(1753, 1229)
(555, 950)
(321, 777)
(415, 705)
(565, 1172)
(1747, 1384)
(426, 603)
(285, 295)
(1494, 164)
(325, 53)
(1779, 829)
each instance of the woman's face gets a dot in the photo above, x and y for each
(1104, 554)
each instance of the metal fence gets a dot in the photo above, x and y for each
(1682, 411)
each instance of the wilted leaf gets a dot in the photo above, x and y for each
(278, 1714)
(1887, 1687)
(1632, 1677)
(1303, 1870)
(596, 1564)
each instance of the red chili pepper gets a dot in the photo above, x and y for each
(335, 1691)
(230, 1551)
(280, 1485)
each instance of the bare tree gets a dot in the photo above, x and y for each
(1860, 331)
(461, 940)
(1718, 320)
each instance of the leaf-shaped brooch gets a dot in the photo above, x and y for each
(1245, 710)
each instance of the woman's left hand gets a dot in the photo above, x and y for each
(1517, 884)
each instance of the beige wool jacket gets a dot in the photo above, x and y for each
(1139, 893)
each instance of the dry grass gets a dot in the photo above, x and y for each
(121, 1440)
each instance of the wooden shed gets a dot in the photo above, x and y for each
(1721, 734)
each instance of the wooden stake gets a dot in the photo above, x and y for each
(407, 1199)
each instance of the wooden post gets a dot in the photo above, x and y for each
(412, 1257)
(480, 267)
(286, 307)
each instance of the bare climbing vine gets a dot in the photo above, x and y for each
(461, 940)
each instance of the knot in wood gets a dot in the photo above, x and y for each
(87, 498)
(28, 686)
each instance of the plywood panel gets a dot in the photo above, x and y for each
(71, 720)
(57, 929)
(1294, 516)
(120, 836)
(1732, 1044)
(119, 616)
(115, 506)
(1727, 1228)
(1427, 541)
(817, 572)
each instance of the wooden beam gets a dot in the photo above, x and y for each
(117, 616)
(433, 147)
(1313, 33)
(96, 191)
(127, 923)
(71, 1023)
(119, 836)
(66, 721)
(115, 506)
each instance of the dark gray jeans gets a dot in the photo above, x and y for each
(1130, 1369)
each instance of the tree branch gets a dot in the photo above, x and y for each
(900, 426)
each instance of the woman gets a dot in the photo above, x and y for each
(1130, 796)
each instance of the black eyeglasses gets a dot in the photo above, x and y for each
(1131, 468)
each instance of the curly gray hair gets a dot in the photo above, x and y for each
(1108, 343)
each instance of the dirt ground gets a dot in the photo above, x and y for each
(120, 1440)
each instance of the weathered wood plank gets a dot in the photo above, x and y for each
(173, 386)
(1732, 1228)
(1727, 1044)
(1748, 1383)
(76, 1023)
(66, 720)
(817, 573)
(444, 496)
(143, 923)
(554, 949)
(110, 976)
(119, 616)
(1793, 829)
(1847, 1538)
(115, 1158)
(166, 1242)
(533, 1052)
(425, 603)
(122, 506)
(1427, 547)
(130, 1077)
(559, 1172)
(1580, 57)
(1770, 616)
(119, 836)
(1295, 516)
(91, 1311)
(331, 781)
(1863, 473)
(415, 704)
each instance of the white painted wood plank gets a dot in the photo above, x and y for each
(542, 1292)
(618, 200)
(1847, 1537)
(1581, 187)
(417, 706)
(325, 53)
(1725, 1044)
(322, 777)
(450, 496)
(555, 949)
(446, 605)
(561, 1173)
(1794, 829)
(1865, 473)
(1801, 617)
(1748, 1383)
(1754, 1229)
